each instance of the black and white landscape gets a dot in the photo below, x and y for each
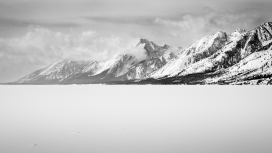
(241, 57)
(186, 42)
(135, 76)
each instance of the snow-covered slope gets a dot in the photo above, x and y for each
(257, 66)
(118, 65)
(157, 56)
(60, 71)
(235, 50)
(245, 56)
(201, 49)
(110, 70)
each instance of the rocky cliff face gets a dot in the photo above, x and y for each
(153, 50)
(236, 34)
(255, 68)
(143, 68)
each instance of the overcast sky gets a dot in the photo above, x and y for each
(35, 33)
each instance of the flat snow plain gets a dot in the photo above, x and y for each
(135, 119)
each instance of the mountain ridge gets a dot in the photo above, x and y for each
(218, 58)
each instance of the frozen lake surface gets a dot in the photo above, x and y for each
(135, 119)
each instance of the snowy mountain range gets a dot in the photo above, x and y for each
(242, 57)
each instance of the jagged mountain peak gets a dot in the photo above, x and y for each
(237, 34)
(262, 29)
(239, 30)
(157, 56)
(148, 42)
(219, 34)
(266, 24)
(143, 41)
(263, 32)
(216, 40)
(152, 49)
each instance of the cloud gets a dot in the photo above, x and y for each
(195, 26)
(40, 43)
(40, 47)
(136, 20)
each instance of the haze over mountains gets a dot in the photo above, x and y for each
(242, 57)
